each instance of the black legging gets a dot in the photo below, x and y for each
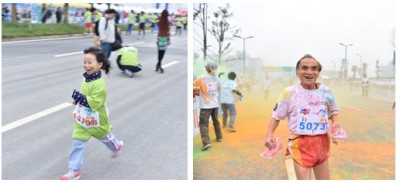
(132, 68)
(160, 57)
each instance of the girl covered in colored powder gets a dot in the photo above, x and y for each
(91, 114)
(308, 106)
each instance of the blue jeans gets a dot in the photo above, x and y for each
(78, 147)
(106, 47)
(232, 114)
(129, 30)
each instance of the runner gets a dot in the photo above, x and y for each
(131, 21)
(267, 86)
(107, 32)
(228, 88)
(364, 85)
(308, 106)
(142, 23)
(88, 22)
(90, 115)
(209, 101)
(163, 38)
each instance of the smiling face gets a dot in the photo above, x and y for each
(308, 73)
(90, 64)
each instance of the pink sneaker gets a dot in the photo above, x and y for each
(116, 153)
(270, 153)
(337, 132)
(71, 175)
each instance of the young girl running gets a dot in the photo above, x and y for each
(90, 115)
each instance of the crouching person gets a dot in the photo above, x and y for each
(128, 61)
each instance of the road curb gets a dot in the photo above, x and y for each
(42, 37)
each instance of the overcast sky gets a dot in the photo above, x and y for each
(285, 30)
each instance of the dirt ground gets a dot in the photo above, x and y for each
(368, 154)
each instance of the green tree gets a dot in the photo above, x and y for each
(222, 30)
(200, 18)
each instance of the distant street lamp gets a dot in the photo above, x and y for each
(244, 52)
(360, 70)
(345, 58)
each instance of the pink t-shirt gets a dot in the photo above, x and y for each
(308, 111)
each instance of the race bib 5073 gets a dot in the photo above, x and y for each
(312, 120)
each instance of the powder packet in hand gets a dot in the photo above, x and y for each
(270, 153)
(337, 133)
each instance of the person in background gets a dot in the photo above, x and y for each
(58, 15)
(142, 23)
(88, 22)
(97, 16)
(228, 88)
(131, 21)
(107, 34)
(210, 88)
(163, 38)
(153, 19)
(267, 86)
(128, 61)
(364, 85)
(179, 25)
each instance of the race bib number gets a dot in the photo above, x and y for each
(312, 120)
(86, 117)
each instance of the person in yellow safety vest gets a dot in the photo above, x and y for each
(88, 22)
(142, 22)
(128, 61)
(97, 15)
(179, 25)
(131, 21)
(184, 21)
(153, 19)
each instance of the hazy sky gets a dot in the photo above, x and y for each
(285, 30)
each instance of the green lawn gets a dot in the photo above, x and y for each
(15, 30)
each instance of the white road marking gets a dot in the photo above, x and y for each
(169, 64)
(81, 52)
(290, 169)
(130, 44)
(33, 117)
(35, 40)
(68, 54)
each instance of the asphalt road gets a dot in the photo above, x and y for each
(148, 112)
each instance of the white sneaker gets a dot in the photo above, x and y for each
(116, 153)
(205, 147)
(71, 175)
(130, 73)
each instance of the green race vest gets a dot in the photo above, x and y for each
(96, 95)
